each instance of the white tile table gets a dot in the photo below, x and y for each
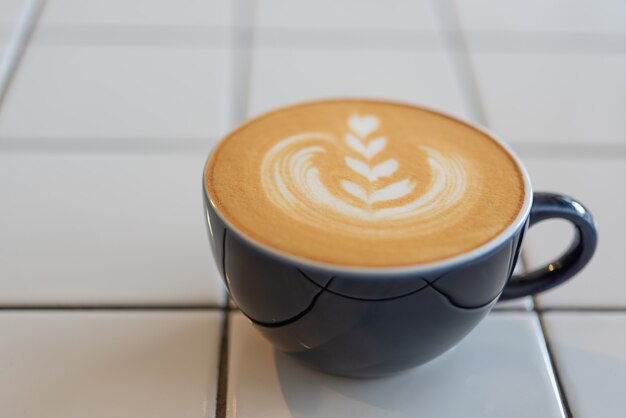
(397, 15)
(547, 16)
(137, 12)
(113, 91)
(552, 97)
(110, 229)
(287, 75)
(72, 364)
(500, 369)
(591, 358)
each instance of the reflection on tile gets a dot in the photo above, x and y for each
(109, 364)
(552, 16)
(110, 229)
(88, 92)
(602, 283)
(524, 304)
(410, 15)
(136, 12)
(564, 98)
(498, 370)
(285, 76)
(590, 351)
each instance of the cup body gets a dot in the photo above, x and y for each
(365, 322)
(361, 323)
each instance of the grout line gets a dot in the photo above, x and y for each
(17, 44)
(554, 367)
(457, 52)
(222, 375)
(138, 308)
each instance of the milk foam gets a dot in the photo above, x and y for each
(293, 183)
(364, 183)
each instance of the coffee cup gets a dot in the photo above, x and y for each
(366, 237)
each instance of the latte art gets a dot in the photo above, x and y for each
(364, 183)
(292, 182)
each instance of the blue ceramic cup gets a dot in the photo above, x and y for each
(376, 321)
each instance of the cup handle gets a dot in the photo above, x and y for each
(548, 206)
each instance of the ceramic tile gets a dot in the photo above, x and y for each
(109, 364)
(5, 33)
(282, 76)
(498, 370)
(347, 15)
(548, 97)
(10, 11)
(111, 229)
(602, 283)
(553, 16)
(524, 304)
(128, 92)
(136, 12)
(590, 351)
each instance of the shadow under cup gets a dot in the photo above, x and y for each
(375, 322)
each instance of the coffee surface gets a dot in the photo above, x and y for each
(364, 183)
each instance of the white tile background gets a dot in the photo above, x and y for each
(109, 364)
(109, 301)
(506, 348)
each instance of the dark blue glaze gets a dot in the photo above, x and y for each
(551, 206)
(348, 323)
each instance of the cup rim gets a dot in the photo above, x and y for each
(445, 263)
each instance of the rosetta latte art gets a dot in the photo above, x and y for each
(378, 198)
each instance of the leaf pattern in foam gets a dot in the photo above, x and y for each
(360, 167)
(355, 190)
(385, 169)
(372, 148)
(393, 191)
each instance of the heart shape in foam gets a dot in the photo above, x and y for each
(363, 125)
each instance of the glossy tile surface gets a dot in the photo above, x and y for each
(109, 364)
(136, 12)
(524, 304)
(111, 229)
(602, 283)
(10, 11)
(506, 348)
(551, 16)
(552, 97)
(4, 41)
(115, 91)
(591, 358)
(282, 76)
(397, 15)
